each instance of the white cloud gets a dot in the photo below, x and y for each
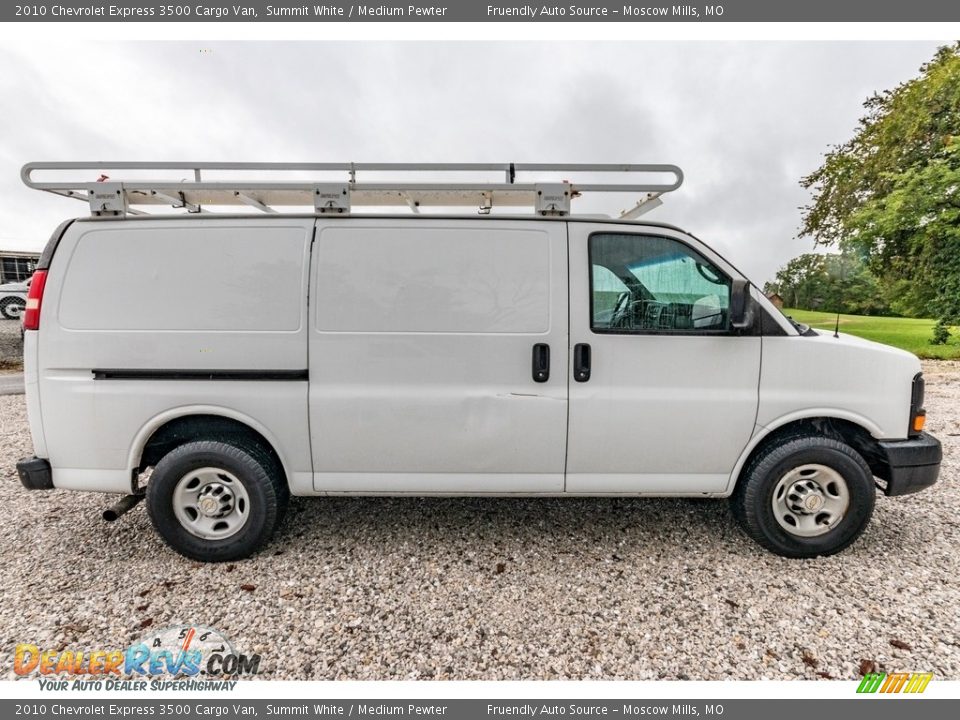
(744, 120)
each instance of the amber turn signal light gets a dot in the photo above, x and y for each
(919, 420)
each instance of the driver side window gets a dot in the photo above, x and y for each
(652, 284)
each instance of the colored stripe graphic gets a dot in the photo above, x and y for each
(918, 682)
(871, 682)
(894, 682)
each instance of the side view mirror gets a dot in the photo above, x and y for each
(741, 305)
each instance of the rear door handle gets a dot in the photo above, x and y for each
(541, 362)
(581, 362)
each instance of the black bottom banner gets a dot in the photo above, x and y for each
(875, 708)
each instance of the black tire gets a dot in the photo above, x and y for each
(12, 308)
(753, 499)
(263, 482)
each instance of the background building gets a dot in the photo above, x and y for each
(17, 266)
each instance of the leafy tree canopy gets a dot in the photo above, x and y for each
(830, 282)
(892, 192)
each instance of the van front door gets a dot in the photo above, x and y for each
(438, 356)
(663, 392)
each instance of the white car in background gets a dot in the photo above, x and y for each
(13, 299)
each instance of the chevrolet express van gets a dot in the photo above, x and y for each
(216, 364)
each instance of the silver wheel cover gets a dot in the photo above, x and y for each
(810, 500)
(211, 503)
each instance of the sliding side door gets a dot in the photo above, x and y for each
(438, 356)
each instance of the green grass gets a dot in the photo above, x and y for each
(905, 333)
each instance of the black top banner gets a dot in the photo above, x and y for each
(483, 11)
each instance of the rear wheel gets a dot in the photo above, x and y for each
(805, 496)
(12, 308)
(213, 502)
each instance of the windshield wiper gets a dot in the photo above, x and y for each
(800, 327)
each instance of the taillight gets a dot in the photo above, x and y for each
(31, 314)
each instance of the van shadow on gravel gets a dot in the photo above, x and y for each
(335, 529)
(524, 525)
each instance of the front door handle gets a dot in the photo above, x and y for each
(581, 362)
(541, 362)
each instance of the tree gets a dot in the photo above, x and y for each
(892, 192)
(801, 281)
(832, 282)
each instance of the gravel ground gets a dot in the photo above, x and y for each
(11, 346)
(502, 589)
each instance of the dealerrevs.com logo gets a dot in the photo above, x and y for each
(183, 652)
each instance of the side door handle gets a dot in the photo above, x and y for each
(581, 362)
(541, 362)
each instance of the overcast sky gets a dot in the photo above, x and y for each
(744, 120)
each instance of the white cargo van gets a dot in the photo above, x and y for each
(218, 363)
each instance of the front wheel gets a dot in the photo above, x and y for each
(805, 496)
(215, 502)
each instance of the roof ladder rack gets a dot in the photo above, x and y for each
(123, 188)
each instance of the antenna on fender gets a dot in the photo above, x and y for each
(836, 327)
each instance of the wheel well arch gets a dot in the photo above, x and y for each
(840, 429)
(182, 429)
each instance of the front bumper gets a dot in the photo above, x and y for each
(35, 473)
(910, 465)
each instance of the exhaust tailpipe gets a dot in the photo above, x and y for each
(122, 506)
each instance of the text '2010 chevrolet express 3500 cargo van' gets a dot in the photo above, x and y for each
(217, 363)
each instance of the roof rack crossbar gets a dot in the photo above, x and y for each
(187, 185)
